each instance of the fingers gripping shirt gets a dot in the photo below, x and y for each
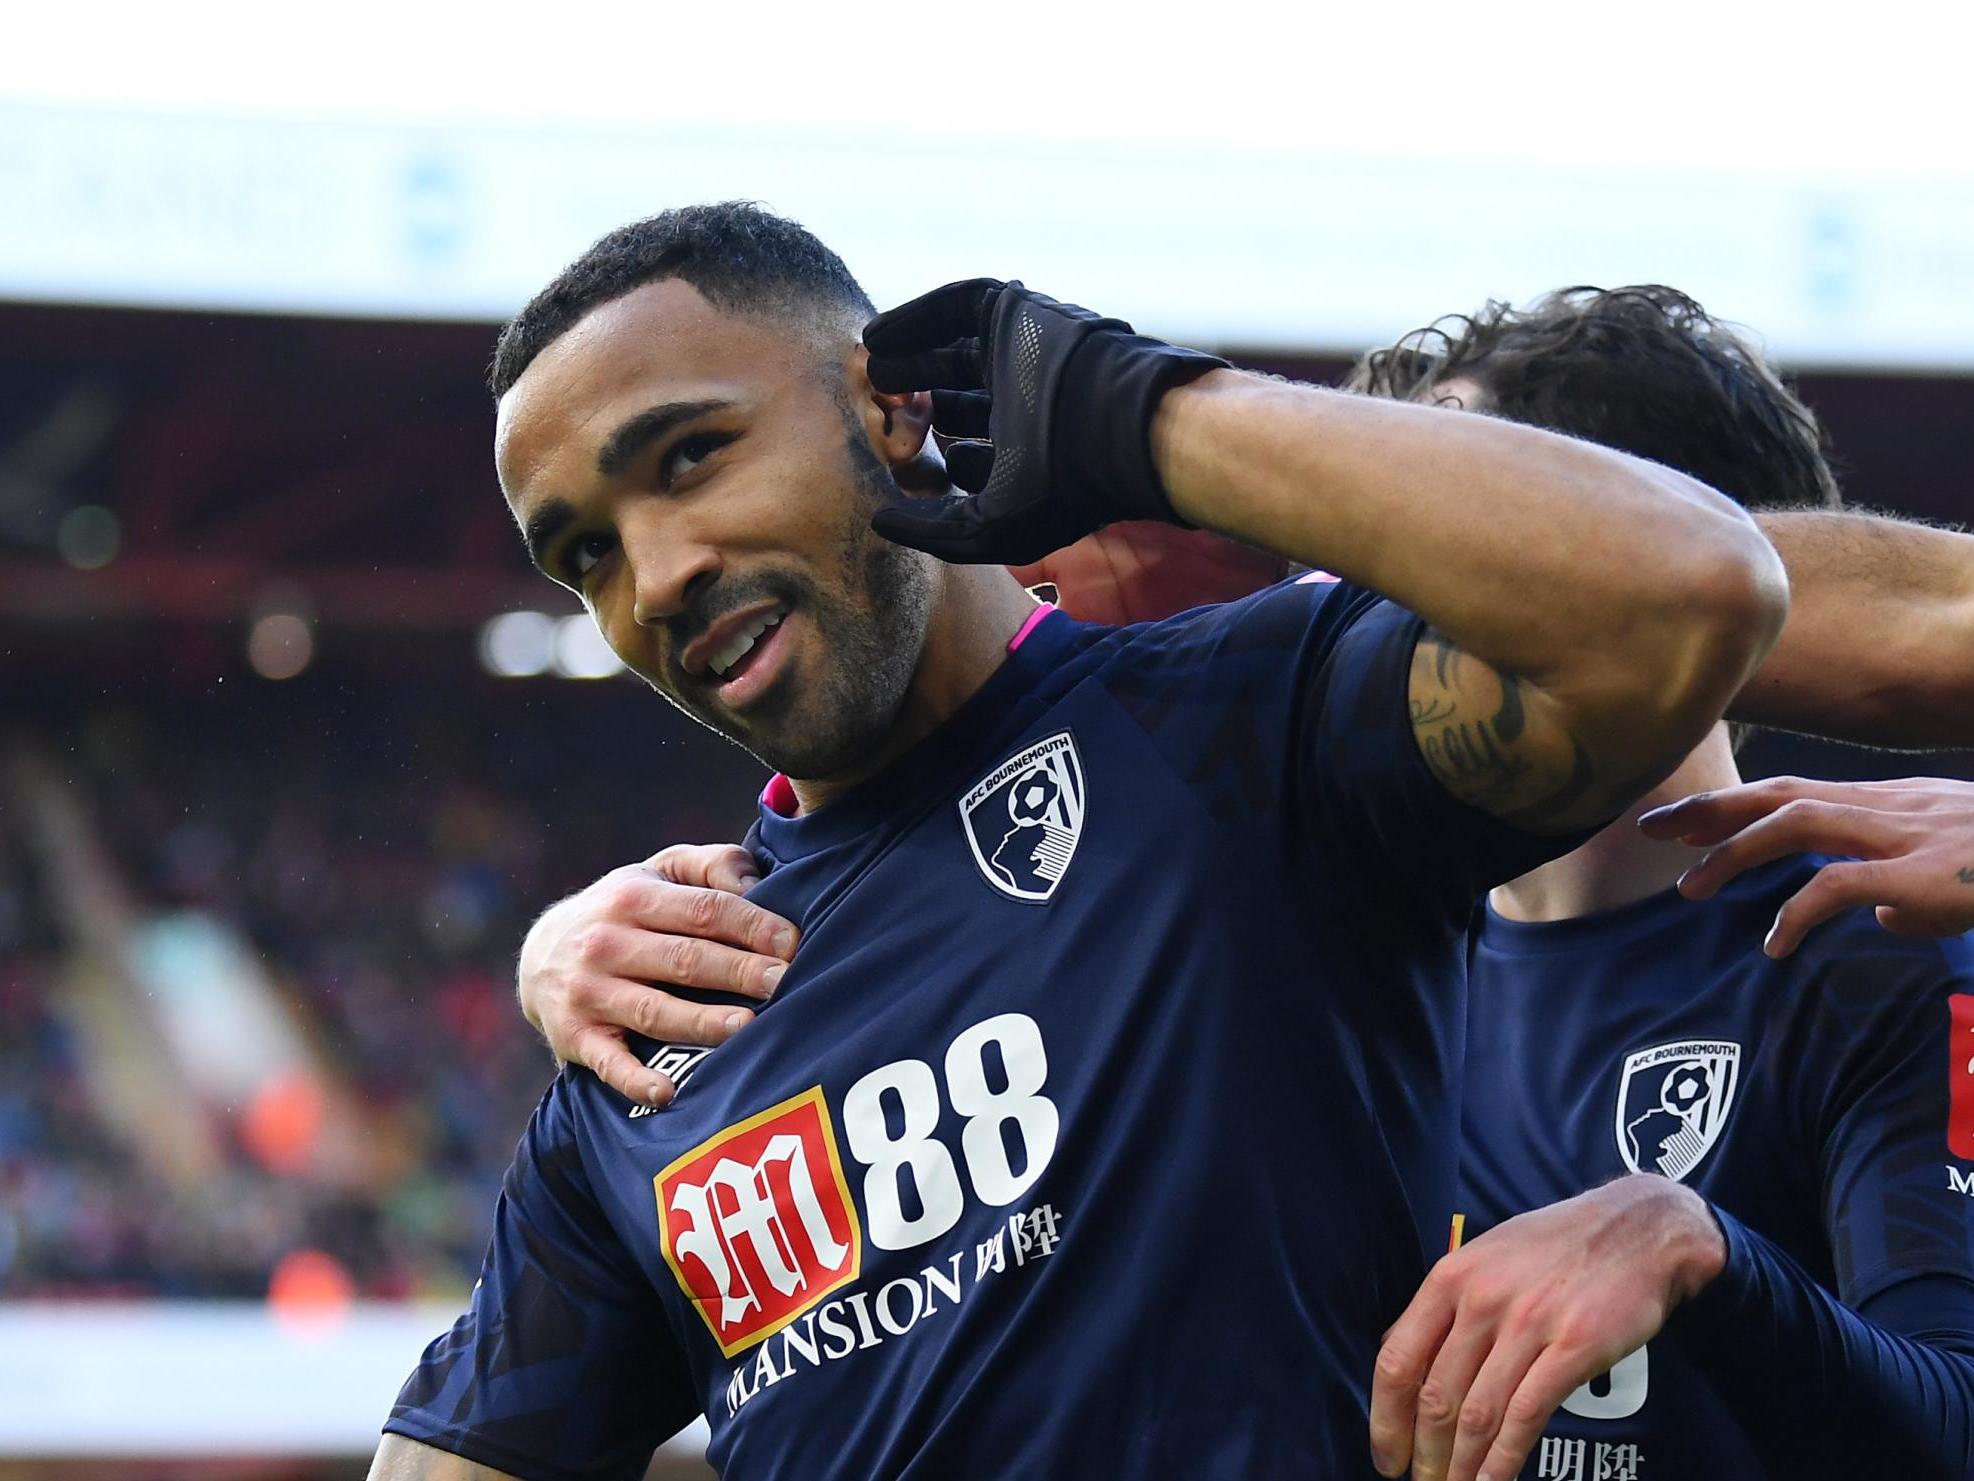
(1101, 1122)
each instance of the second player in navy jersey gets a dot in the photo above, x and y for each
(1825, 1101)
(1011, 1180)
(1621, 1031)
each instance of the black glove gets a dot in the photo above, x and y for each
(1055, 405)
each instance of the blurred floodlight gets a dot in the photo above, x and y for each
(88, 537)
(280, 645)
(517, 645)
(581, 652)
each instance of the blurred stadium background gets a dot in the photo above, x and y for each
(293, 745)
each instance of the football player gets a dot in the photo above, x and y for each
(1816, 1107)
(997, 1187)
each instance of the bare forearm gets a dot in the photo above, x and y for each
(399, 1459)
(1592, 614)
(1527, 549)
(1879, 645)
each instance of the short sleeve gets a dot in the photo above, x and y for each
(1897, 1203)
(1370, 791)
(564, 1365)
(1291, 708)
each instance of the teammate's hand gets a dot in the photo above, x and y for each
(1052, 406)
(588, 965)
(1912, 843)
(1505, 1328)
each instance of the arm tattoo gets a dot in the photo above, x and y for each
(1965, 874)
(1474, 729)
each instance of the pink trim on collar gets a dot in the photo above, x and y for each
(1029, 626)
(778, 797)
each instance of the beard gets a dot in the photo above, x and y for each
(871, 611)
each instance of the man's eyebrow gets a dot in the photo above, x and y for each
(543, 526)
(635, 435)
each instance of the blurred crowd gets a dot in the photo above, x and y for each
(379, 857)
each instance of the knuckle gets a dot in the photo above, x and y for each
(621, 897)
(1526, 1410)
(702, 911)
(1395, 1367)
(647, 1013)
(1436, 1405)
(1478, 1418)
(1855, 874)
(680, 958)
(592, 945)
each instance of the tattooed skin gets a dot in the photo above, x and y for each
(1475, 729)
(1965, 874)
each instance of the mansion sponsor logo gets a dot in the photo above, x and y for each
(757, 1222)
(1960, 1076)
(865, 1319)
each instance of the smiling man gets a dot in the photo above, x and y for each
(1014, 1179)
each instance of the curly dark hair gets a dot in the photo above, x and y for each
(738, 254)
(1642, 369)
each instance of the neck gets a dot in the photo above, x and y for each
(1620, 865)
(976, 611)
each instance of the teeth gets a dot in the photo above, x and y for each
(741, 644)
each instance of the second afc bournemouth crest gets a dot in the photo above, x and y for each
(1023, 818)
(1673, 1101)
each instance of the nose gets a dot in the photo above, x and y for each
(667, 573)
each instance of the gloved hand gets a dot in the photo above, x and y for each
(1054, 405)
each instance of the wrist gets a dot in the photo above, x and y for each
(1120, 379)
(1176, 432)
(1698, 1243)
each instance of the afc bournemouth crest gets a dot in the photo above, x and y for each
(1023, 818)
(1672, 1103)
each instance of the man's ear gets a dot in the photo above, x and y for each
(898, 423)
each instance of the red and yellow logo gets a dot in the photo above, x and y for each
(757, 1221)
(1960, 1077)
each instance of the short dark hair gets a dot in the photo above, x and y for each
(739, 255)
(1643, 369)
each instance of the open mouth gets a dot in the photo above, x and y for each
(735, 656)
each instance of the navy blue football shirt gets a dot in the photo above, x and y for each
(1102, 1121)
(1825, 1101)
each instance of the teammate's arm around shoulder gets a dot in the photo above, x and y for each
(400, 1459)
(1591, 614)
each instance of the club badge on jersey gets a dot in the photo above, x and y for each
(1673, 1101)
(1024, 818)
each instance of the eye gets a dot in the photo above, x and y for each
(688, 453)
(583, 554)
